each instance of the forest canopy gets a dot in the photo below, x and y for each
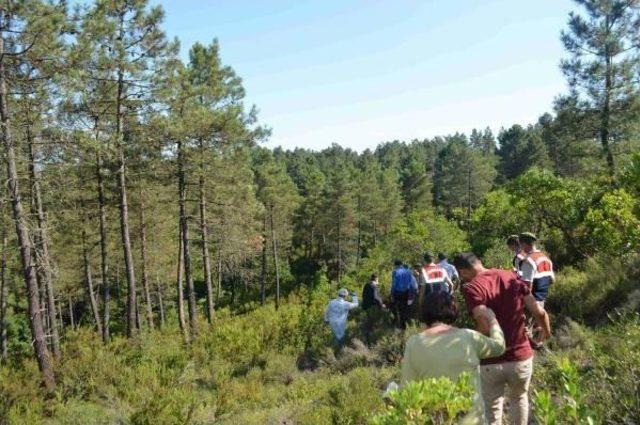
(138, 198)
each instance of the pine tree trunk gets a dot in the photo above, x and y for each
(275, 258)
(89, 282)
(72, 321)
(138, 321)
(184, 225)
(104, 266)
(22, 233)
(263, 276)
(143, 265)
(206, 260)
(180, 289)
(605, 119)
(126, 244)
(3, 290)
(160, 302)
(41, 248)
(124, 207)
(219, 270)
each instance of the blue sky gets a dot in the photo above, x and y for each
(359, 73)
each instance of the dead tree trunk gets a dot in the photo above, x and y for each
(184, 225)
(89, 282)
(22, 233)
(41, 248)
(275, 258)
(180, 288)
(143, 265)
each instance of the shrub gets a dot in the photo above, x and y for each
(430, 401)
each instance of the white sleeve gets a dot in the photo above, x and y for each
(353, 304)
(528, 270)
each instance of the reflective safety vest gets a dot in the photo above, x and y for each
(517, 259)
(433, 274)
(542, 265)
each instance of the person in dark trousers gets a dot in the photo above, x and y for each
(373, 306)
(404, 289)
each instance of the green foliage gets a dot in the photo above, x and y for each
(430, 401)
(590, 291)
(567, 407)
(613, 227)
(420, 231)
(520, 149)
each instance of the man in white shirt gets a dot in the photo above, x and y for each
(337, 314)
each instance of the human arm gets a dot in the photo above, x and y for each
(353, 303)
(482, 317)
(527, 271)
(540, 316)
(476, 303)
(449, 283)
(492, 345)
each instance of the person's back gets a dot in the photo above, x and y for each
(446, 354)
(401, 280)
(442, 350)
(503, 292)
(508, 296)
(337, 313)
(371, 295)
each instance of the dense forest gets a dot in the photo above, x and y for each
(158, 265)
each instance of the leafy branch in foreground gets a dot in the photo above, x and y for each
(430, 401)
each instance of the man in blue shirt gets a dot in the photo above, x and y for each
(404, 288)
(451, 271)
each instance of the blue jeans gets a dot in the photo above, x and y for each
(540, 288)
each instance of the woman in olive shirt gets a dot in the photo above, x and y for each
(442, 350)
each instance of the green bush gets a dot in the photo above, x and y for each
(430, 401)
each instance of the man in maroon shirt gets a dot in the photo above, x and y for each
(507, 295)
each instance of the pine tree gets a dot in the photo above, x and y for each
(126, 47)
(24, 25)
(602, 67)
(279, 197)
(520, 149)
(462, 177)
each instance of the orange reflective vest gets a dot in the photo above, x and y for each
(433, 274)
(542, 265)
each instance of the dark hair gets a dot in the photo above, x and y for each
(374, 276)
(428, 257)
(465, 260)
(397, 263)
(513, 240)
(439, 306)
(442, 256)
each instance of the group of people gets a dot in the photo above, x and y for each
(507, 307)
